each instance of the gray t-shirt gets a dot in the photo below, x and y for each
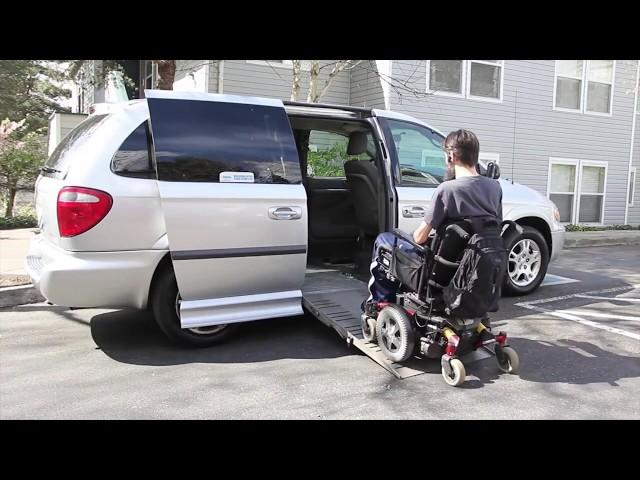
(465, 197)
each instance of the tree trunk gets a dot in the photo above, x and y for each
(295, 88)
(11, 198)
(314, 72)
(166, 73)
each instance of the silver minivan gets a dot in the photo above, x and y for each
(212, 210)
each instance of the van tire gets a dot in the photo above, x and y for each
(537, 240)
(163, 306)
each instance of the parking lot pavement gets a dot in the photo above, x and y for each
(576, 337)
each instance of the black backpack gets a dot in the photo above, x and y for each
(476, 286)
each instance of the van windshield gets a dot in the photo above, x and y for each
(57, 165)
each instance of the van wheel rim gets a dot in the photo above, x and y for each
(525, 261)
(209, 330)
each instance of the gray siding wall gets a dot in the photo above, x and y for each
(366, 87)
(68, 122)
(634, 212)
(533, 132)
(244, 78)
(213, 76)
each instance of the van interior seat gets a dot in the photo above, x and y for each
(362, 180)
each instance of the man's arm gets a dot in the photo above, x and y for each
(433, 217)
(421, 234)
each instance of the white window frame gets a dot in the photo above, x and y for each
(583, 91)
(145, 76)
(489, 157)
(305, 65)
(565, 161)
(593, 163)
(577, 193)
(632, 192)
(465, 84)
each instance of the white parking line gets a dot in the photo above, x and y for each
(617, 299)
(550, 279)
(574, 318)
(573, 295)
(602, 315)
(567, 315)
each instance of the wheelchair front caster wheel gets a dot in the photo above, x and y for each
(508, 360)
(369, 329)
(455, 374)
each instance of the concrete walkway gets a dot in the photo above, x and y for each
(14, 245)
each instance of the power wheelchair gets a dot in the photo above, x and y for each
(418, 322)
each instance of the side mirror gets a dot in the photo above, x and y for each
(493, 170)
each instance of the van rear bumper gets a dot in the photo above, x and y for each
(91, 279)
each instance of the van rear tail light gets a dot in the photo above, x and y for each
(80, 209)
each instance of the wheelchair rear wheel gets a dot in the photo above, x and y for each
(396, 334)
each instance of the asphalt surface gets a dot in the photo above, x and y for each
(580, 359)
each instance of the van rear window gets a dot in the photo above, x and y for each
(58, 163)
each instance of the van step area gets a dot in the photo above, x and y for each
(334, 298)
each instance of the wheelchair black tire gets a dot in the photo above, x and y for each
(403, 349)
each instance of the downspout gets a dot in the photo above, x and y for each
(221, 76)
(633, 133)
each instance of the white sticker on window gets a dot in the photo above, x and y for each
(237, 177)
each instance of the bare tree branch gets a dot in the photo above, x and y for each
(314, 72)
(339, 67)
(295, 87)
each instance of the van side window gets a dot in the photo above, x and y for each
(201, 141)
(419, 152)
(133, 158)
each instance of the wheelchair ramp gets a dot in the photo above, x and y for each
(334, 298)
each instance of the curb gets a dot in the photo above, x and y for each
(601, 241)
(21, 294)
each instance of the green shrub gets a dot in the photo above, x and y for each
(589, 228)
(18, 221)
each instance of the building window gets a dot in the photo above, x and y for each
(632, 186)
(149, 75)
(476, 79)
(577, 187)
(584, 86)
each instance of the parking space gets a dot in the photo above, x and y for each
(615, 310)
(577, 338)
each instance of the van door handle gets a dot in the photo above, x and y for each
(412, 211)
(285, 213)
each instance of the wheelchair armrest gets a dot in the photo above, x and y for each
(407, 238)
(462, 233)
(513, 224)
(446, 263)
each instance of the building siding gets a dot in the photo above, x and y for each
(366, 86)
(634, 211)
(245, 78)
(528, 133)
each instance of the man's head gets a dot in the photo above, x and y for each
(462, 147)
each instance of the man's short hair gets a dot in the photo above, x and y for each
(465, 145)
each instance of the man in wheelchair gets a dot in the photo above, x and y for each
(433, 293)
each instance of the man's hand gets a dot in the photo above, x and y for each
(421, 234)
